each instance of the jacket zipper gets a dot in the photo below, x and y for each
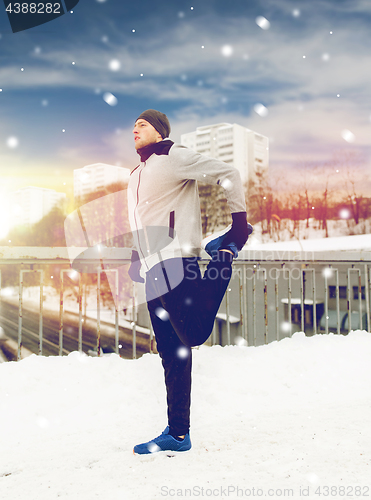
(135, 218)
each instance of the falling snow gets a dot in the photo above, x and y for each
(114, 65)
(227, 50)
(226, 184)
(348, 136)
(12, 142)
(263, 23)
(345, 213)
(183, 352)
(261, 110)
(162, 313)
(110, 99)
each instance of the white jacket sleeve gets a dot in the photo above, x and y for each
(188, 165)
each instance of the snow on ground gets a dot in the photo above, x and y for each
(279, 421)
(285, 232)
(339, 243)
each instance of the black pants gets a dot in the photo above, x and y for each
(183, 316)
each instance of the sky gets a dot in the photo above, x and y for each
(200, 62)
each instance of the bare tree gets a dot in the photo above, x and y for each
(260, 199)
(351, 166)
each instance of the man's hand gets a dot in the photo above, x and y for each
(240, 230)
(135, 268)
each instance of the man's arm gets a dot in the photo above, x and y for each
(190, 165)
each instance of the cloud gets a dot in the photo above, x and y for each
(186, 75)
(176, 68)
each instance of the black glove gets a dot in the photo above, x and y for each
(240, 230)
(135, 267)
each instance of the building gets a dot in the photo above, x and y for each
(245, 149)
(95, 177)
(30, 204)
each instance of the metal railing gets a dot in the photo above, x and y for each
(271, 295)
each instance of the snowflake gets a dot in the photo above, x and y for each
(12, 142)
(263, 23)
(348, 136)
(227, 184)
(260, 109)
(240, 341)
(327, 272)
(183, 352)
(285, 326)
(162, 314)
(114, 65)
(43, 422)
(344, 213)
(227, 50)
(312, 478)
(110, 99)
(153, 447)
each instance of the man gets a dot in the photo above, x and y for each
(165, 218)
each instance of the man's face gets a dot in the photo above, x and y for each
(145, 133)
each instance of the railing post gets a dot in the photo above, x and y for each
(80, 313)
(20, 314)
(302, 297)
(133, 324)
(277, 305)
(289, 303)
(360, 299)
(20, 310)
(246, 332)
(240, 294)
(98, 312)
(41, 312)
(116, 301)
(254, 303)
(61, 314)
(227, 316)
(349, 304)
(367, 298)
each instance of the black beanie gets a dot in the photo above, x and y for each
(158, 120)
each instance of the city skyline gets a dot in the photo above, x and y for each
(294, 71)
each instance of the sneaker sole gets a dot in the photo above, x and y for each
(168, 453)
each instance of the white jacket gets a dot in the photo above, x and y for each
(164, 206)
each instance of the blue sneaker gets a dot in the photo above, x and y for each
(213, 243)
(164, 442)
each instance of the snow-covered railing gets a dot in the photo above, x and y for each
(272, 293)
